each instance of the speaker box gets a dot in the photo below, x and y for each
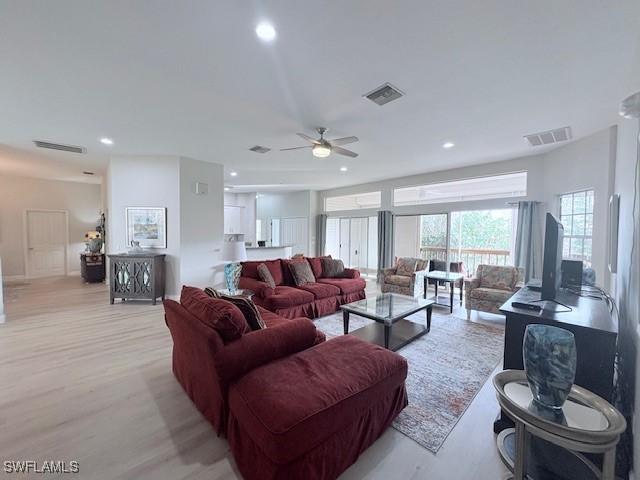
(571, 272)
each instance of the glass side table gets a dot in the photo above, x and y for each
(588, 424)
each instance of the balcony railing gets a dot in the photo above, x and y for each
(470, 257)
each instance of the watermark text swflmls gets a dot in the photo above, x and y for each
(43, 467)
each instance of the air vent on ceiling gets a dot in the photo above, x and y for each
(260, 149)
(546, 138)
(59, 146)
(384, 94)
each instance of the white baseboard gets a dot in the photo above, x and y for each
(3, 317)
(13, 278)
(75, 273)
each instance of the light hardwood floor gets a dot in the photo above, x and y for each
(84, 380)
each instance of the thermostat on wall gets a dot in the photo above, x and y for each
(202, 188)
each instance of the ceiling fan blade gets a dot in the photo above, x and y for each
(296, 148)
(344, 151)
(343, 140)
(308, 138)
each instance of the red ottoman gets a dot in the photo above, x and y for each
(310, 415)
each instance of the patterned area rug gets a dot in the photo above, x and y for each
(447, 368)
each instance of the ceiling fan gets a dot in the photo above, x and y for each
(322, 147)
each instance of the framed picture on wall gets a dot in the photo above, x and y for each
(147, 225)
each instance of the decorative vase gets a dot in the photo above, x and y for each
(135, 247)
(94, 245)
(549, 355)
(232, 276)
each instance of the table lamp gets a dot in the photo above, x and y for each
(234, 252)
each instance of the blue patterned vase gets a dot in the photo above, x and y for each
(232, 276)
(549, 355)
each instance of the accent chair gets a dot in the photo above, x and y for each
(406, 278)
(491, 287)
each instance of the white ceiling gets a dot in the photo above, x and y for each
(190, 78)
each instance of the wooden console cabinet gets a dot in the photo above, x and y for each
(136, 276)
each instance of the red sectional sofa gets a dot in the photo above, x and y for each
(293, 406)
(312, 300)
(205, 366)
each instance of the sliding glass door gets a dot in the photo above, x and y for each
(471, 237)
(482, 237)
(421, 236)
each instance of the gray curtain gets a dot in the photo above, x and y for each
(321, 233)
(528, 248)
(385, 240)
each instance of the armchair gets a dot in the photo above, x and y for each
(395, 280)
(491, 287)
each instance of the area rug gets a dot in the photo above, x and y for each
(447, 368)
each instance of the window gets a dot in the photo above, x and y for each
(576, 216)
(356, 201)
(259, 229)
(482, 188)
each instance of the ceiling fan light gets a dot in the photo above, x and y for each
(321, 151)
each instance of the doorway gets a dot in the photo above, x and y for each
(354, 240)
(45, 243)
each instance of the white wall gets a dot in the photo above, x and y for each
(303, 204)
(406, 237)
(194, 222)
(626, 283)
(17, 194)
(583, 164)
(283, 205)
(201, 224)
(145, 182)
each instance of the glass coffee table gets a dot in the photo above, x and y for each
(389, 311)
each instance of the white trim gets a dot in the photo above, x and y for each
(13, 278)
(73, 273)
(3, 317)
(25, 238)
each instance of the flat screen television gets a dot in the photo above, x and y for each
(552, 259)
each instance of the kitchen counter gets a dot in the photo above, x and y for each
(269, 253)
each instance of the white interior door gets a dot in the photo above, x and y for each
(295, 232)
(46, 243)
(358, 243)
(345, 225)
(332, 243)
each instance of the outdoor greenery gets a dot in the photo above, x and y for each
(480, 229)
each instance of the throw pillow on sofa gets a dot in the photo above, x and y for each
(301, 273)
(332, 268)
(224, 317)
(406, 266)
(265, 275)
(247, 307)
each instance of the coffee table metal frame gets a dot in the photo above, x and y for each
(396, 331)
(571, 438)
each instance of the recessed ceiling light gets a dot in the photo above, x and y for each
(448, 145)
(234, 174)
(343, 169)
(265, 31)
(106, 141)
(226, 189)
